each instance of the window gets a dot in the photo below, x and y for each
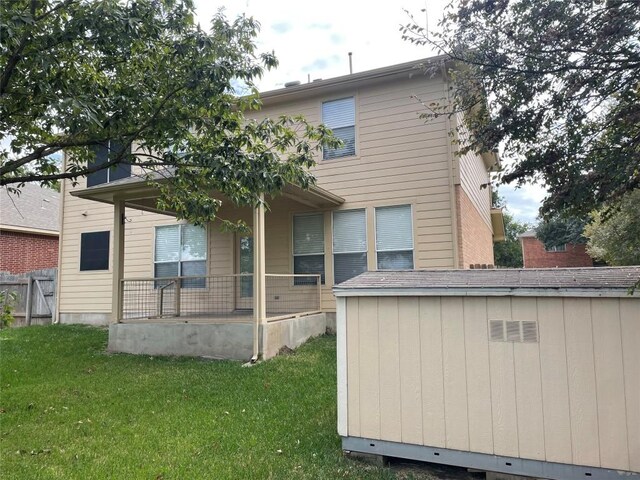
(394, 238)
(181, 251)
(308, 247)
(557, 248)
(94, 251)
(340, 117)
(349, 244)
(103, 153)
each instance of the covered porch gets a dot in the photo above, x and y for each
(236, 308)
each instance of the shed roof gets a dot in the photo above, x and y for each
(598, 281)
(35, 209)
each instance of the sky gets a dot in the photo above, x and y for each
(314, 40)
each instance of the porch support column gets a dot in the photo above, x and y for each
(259, 286)
(117, 260)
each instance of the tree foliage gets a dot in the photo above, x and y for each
(562, 78)
(616, 241)
(508, 254)
(75, 74)
(559, 230)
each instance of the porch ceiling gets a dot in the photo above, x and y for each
(139, 194)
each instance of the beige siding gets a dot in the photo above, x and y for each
(571, 397)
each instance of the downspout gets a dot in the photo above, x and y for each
(56, 319)
(452, 188)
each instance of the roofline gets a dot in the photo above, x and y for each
(273, 96)
(486, 292)
(36, 231)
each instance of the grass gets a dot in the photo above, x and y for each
(70, 410)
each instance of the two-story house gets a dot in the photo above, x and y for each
(395, 196)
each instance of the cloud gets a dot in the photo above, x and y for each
(336, 39)
(523, 202)
(320, 26)
(321, 63)
(282, 27)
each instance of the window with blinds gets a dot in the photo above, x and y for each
(94, 251)
(394, 238)
(340, 117)
(349, 244)
(103, 153)
(181, 251)
(308, 247)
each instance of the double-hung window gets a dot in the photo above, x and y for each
(557, 248)
(104, 153)
(340, 117)
(349, 244)
(394, 238)
(308, 247)
(181, 251)
(94, 251)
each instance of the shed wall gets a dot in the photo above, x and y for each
(422, 370)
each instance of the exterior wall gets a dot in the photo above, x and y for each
(535, 256)
(24, 252)
(399, 159)
(475, 238)
(421, 370)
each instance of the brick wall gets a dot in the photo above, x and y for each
(475, 238)
(535, 256)
(23, 252)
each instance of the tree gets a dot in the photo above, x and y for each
(508, 253)
(78, 75)
(616, 241)
(562, 78)
(559, 230)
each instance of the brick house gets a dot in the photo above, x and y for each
(29, 229)
(534, 255)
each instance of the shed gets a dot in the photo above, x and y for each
(529, 372)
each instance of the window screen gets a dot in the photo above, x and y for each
(349, 244)
(104, 153)
(308, 247)
(394, 238)
(94, 251)
(181, 251)
(340, 117)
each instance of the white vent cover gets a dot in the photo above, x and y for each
(529, 331)
(518, 331)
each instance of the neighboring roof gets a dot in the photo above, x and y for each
(528, 233)
(378, 74)
(35, 209)
(509, 281)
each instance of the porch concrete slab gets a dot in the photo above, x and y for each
(293, 332)
(96, 319)
(232, 341)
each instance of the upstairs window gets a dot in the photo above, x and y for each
(340, 117)
(94, 251)
(394, 238)
(308, 247)
(104, 153)
(181, 251)
(557, 248)
(349, 244)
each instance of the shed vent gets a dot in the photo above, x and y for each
(518, 331)
(496, 330)
(529, 331)
(513, 331)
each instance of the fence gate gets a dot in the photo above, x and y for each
(36, 295)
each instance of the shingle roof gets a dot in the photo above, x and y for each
(35, 207)
(597, 278)
(528, 233)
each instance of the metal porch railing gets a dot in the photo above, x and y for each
(218, 296)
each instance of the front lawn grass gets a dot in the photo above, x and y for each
(70, 410)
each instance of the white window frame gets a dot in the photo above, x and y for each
(375, 232)
(293, 245)
(366, 240)
(180, 261)
(355, 130)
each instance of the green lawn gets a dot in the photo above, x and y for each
(70, 410)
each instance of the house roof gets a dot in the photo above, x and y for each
(587, 281)
(35, 210)
(527, 234)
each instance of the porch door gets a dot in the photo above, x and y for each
(244, 285)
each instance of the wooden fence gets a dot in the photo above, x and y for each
(36, 295)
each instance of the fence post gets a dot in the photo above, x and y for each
(29, 304)
(319, 292)
(178, 296)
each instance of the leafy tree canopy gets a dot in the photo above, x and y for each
(562, 78)
(75, 74)
(616, 241)
(558, 230)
